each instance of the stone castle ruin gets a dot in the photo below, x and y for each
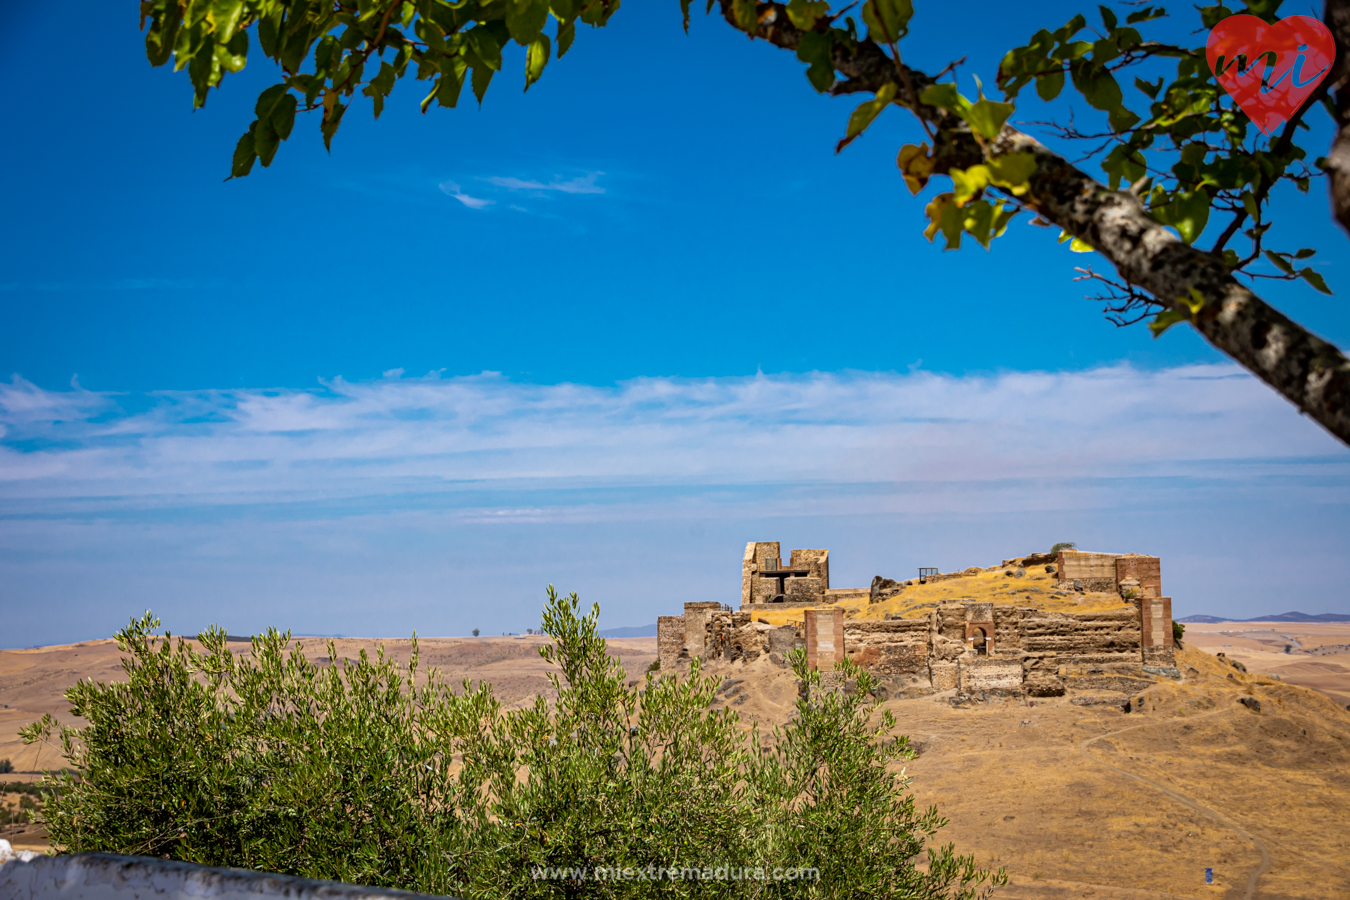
(965, 645)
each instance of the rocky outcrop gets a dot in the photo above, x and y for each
(883, 589)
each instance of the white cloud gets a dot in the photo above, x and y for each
(582, 184)
(401, 436)
(453, 190)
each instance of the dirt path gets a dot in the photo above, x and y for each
(1188, 802)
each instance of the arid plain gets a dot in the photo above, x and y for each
(1076, 800)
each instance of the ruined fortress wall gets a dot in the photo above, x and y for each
(824, 637)
(1097, 571)
(1147, 570)
(804, 589)
(669, 640)
(817, 561)
(988, 674)
(1155, 621)
(754, 552)
(1008, 629)
(696, 627)
(763, 589)
(1157, 644)
(889, 648)
(1077, 634)
(944, 674)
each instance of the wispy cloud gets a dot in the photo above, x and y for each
(402, 435)
(453, 189)
(582, 184)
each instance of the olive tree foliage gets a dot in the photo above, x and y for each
(374, 772)
(1181, 208)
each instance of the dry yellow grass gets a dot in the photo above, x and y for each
(1035, 588)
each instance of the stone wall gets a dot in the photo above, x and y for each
(888, 648)
(984, 674)
(824, 637)
(1095, 571)
(817, 561)
(750, 565)
(1157, 641)
(669, 640)
(1147, 570)
(696, 627)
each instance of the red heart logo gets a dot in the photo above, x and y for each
(1269, 70)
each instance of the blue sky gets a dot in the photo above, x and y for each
(263, 401)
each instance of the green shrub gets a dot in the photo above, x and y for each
(1062, 545)
(1178, 629)
(6, 766)
(375, 773)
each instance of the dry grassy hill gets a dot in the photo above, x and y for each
(984, 585)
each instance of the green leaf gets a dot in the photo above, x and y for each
(1147, 14)
(224, 17)
(525, 19)
(1187, 212)
(233, 55)
(244, 155)
(816, 48)
(968, 183)
(915, 165)
(451, 82)
(163, 34)
(1078, 245)
(1315, 280)
(987, 116)
(1012, 171)
(535, 59)
(1149, 87)
(1213, 15)
(282, 118)
(567, 32)
(331, 120)
(1280, 262)
(746, 14)
(945, 96)
(1049, 85)
(866, 113)
(887, 20)
(1108, 18)
(1304, 253)
(1124, 163)
(485, 46)
(1165, 320)
(1101, 91)
(805, 13)
(482, 76)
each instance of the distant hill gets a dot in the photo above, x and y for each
(630, 631)
(1282, 617)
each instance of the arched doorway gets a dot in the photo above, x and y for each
(977, 641)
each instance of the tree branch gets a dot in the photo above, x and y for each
(1310, 372)
(1337, 18)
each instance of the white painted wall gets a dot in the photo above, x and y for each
(103, 876)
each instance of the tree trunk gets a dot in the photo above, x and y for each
(1310, 372)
